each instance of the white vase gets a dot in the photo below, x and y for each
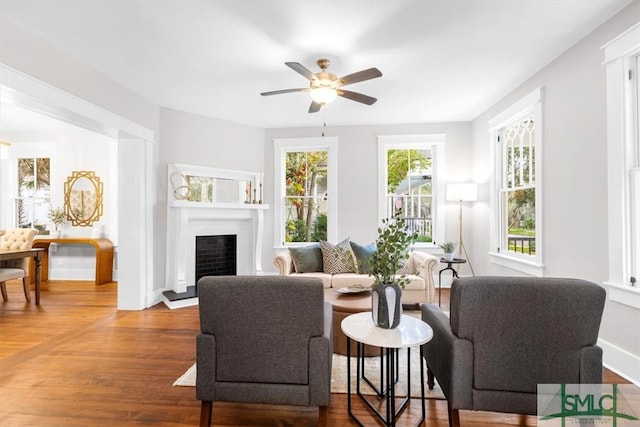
(449, 256)
(56, 234)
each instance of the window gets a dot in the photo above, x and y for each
(634, 175)
(518, 187)
(33, 199)
(516, 197)
(306, 176)
(622, 61)
(409, 185)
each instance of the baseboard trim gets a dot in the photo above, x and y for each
(620, 361)
(182, 303)
(72, 274)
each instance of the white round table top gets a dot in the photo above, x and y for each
(410, 332)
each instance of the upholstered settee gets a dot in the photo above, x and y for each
(419, 268)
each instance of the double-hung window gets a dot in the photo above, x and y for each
(409, 186)
(516, 198)
(306, 189)
(33, 200)
(622, 61)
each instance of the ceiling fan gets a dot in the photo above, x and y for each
(325, 87)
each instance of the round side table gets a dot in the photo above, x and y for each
(409, 333)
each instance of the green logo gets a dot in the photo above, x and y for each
(593, 404)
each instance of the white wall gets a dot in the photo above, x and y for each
(574, 174)
(358, 174)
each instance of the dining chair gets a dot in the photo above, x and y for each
(18, 239)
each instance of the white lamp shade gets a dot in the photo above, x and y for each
(323, 95)
(462, 192)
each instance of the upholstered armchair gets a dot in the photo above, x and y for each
(16, 239)
(263, 339)
(506, 335)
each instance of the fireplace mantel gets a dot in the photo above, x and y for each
(187, 219)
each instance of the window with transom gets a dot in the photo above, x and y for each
(516, 232)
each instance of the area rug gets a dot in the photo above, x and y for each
(372, 371)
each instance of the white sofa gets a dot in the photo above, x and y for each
(421, 287)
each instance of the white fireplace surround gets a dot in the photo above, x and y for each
(186, 220)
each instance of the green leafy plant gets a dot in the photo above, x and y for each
(319, 228)
(392, 249)
(448, 247)
(58, 216)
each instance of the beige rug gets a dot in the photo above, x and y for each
(372, 370)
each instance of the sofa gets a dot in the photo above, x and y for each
(419, 269)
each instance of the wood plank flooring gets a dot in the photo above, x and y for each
(77, 361)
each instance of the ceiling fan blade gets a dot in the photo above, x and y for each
(360, 76)
(278, 92)
(358, 97)
(301, 69)
(314, 107)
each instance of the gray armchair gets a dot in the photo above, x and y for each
(263, 339)
(508, 334)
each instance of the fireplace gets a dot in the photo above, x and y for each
(186, 221)
(215, 256)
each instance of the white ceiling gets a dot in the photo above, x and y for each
(442, 60)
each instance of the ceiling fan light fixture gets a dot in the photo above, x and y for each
(323, 95)
(324, 87)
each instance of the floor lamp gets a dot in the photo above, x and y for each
(462, 192)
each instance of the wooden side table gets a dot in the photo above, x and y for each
(104, 255)
(453, 272)
(409, 333)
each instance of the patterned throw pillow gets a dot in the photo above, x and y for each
(337, 258)
(405, 268)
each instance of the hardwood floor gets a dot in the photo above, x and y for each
(77, 361)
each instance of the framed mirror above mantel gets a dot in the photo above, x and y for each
(200, 186)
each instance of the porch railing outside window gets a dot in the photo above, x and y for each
(519, 186)
(416, 211)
